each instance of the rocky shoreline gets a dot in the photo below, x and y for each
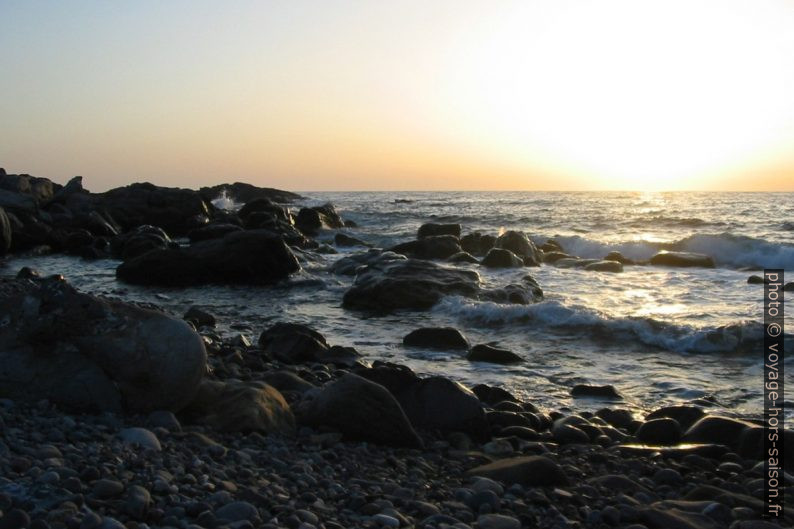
(115, 415)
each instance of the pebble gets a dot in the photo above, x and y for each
(385, 520)
(497, 521)
(107, 488)
(142, 437)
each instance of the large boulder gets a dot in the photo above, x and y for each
(524, 293)
(492, 355)
(90, 354)
(311, 220)
(241, 193)
(518, 243)
(408, 284)
(249, 257)
(293, 343)
(437, 338)
(430, 247)
(350, 265)
(233, 406)
(717, 430)
(430, 229)
(432, 403)
(477, 244)
(360, 410)
(682, 259)
(175, 210)
(501, 258)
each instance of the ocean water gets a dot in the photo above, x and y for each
(659, 335)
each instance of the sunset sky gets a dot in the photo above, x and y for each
(404, 95)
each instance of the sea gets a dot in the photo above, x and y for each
(661, 336)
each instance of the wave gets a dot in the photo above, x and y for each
(742, 337)
(727, 250)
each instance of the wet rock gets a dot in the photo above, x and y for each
(172, 209)
(789, 287)
(430, 247)
(533, 471)
(342, 239)
(431, 229)
(599, 392)
(682, 259)
(243, 193)
(163, 419)
(311, 220)
(293, 343)
(497, 521)
(287, 381)
(436, 338)
(524, 293)
(237, 511)
(477, 243)
(137, 502)
(619, 418)
(141, 437)
(90, 354)
(720, 430)
(493, 355)
(663, 431)
(107, 488)
(140, 240)
(565, 433)
(361, 410)
(492, 395)
(213, 231)
(199, 317)
(686, 416)
(755, 280)
(409, 284)
(232, 406)
(350, 265)
(501, 258)
(617, 256)
(518, 243)
(605, 266)
(250, 257)
(553, 257)
(463, 257)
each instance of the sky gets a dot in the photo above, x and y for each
(402, 95)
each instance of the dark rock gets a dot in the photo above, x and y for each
(551, 246)
(431, 229)
(213, 231)
(433, 403)
(605, 266)
(720, 430)
(137, 502)
(5, 232)
(436, 338)
(493, 355)
(755, 280)
(657, 432)
(531, 471)
(524, 293)
(199, 317)
(251, 257)
(617, 256)
(311, 220)
(463, 257)
(477, 243)
(237, 511)
(518, 243)
(351, 264)
(409, 284)
(87, 353)
(241, 407)
(163, 419)
(618, 418)
(492, 395)
(682, 259)
(430, 247)
(565, 433)
(600, 392)
(789, 287)
(243, 193)
(293, 343)
(342, 239)
(174, 210)
(501, 258)
(686, 416)
(287, 381)
(359, 409)
(553, 257)
(140, 240)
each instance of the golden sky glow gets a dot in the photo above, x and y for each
(557, 94)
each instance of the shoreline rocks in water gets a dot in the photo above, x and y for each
(682, 259)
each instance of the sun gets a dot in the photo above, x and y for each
(636, 94)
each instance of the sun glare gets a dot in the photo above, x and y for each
(639, 95)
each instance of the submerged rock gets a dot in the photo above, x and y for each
(493, 355)
(342, 239)
(408, 284)
(602, 392)
(605, 266)
(436, 338)
(91, 354)
(253, 257)
(351, 264)
(682, 259)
